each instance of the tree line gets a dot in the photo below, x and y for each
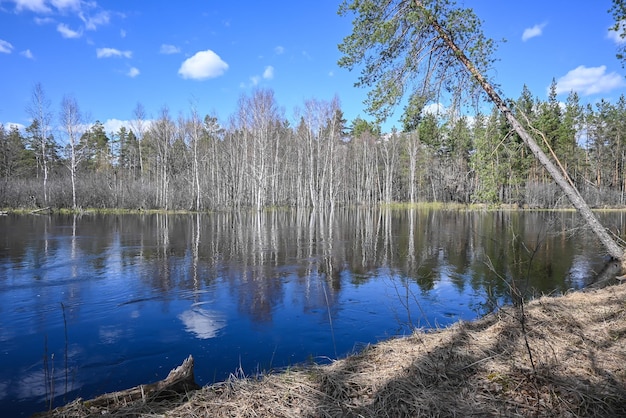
(258, 158)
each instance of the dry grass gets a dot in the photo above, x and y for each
(479, 368)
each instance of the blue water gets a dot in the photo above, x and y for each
(96, 304)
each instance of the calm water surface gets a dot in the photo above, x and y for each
(94, 304)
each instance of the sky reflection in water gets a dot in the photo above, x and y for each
(137, 294)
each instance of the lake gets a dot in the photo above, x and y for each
(98, 303)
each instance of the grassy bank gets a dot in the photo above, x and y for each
(570, 362)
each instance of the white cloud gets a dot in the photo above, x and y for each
(37, 6)
(202, 323)
(268, 74)
(66, 4)
(114, 125)
(434, 109)
(11, 125)
(112, 52)
(133, 72)
(43, 6)
(615, 35)
(122, 33)
(5, 47)
(169, 49)
(203, 65)
(68, 33)
(99, 19)
(589, 80)
(279, 50)
(28, 54)
(535, 31)
(43, 20)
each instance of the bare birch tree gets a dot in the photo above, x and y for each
(73, 124)
(39, 110)
(139, 126)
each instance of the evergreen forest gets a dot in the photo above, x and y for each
(259, 158)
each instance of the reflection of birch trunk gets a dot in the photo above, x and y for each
(74, 252)
(411, 246)
(387, 240)
(163, 227)
(195, 251)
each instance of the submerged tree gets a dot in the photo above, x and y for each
(428, 48)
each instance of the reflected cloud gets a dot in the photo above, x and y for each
(34, 385)
(109, 334)
(3, 389)
(201, 322)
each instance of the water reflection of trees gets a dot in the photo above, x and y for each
(257, 254)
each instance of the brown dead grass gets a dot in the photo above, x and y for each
(478, 368)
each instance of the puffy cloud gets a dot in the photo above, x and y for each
(589, 80)
(68, 33)
(37, 6)
(18, 126)
(203, 65)
(66, 4)
(133, 72)
(268, 74)
(43, 6)
(114, 125)
(43, 20)
(5, 47)
(99, 19)
(28, 54)
(616, 35)
(254, 80)
(434, 109)
(279, 50)
(169, 49)
(202, 323)
(535, 31)
(112, 52)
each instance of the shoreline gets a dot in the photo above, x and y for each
(474, 207)
(569, 361)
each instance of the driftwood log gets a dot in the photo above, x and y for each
(179, 382)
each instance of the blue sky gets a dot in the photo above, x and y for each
(111, 55)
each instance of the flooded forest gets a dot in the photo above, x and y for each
(263, 156)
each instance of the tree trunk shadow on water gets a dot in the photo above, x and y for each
(482, 369)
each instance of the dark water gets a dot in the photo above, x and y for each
(95, 304)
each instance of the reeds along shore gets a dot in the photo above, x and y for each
(479, 368)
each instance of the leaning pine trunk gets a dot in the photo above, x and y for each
(579, 203)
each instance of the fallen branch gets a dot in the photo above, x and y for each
(179, 382)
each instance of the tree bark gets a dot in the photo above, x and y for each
(179, 381)
(579, 203)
